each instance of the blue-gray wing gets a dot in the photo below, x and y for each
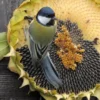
(37, 51)
(50, 72)
(47, 65)
(30, 43)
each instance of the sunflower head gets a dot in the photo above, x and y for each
(75, 50)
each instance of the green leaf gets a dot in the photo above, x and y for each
(4, 47)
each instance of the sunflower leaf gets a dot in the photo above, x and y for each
(4, 47)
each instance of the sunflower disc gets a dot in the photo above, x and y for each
(73, 81)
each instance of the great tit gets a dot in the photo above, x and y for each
(39, 36)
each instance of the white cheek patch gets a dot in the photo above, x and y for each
(44, 20)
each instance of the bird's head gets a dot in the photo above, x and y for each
(46, 16)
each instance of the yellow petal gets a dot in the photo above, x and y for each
(25, 82)
(12, 66)
(97, 92)
(84, 12)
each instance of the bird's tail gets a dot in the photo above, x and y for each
(50, 72)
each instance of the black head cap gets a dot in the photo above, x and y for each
(46, 16)
(47, 12)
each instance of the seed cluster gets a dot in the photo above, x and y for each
(68, 52)
(87, 73)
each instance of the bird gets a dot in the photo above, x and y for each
(39, 36)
